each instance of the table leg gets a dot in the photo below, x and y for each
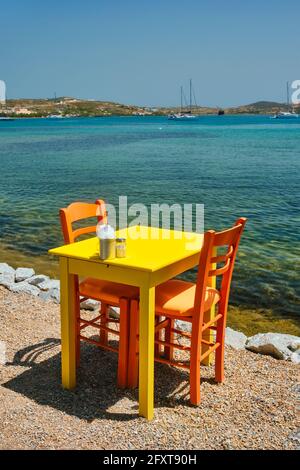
(209, 315)
(146, 351)
(68, 325)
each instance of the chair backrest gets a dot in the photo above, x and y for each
(213, 265)
(79, 211)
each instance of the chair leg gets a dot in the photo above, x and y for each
(219, 359)
(157, 347)
(77, 345)
(123, 343)
(169, 338)
(103, 322)
(133, 359)
(195, 368)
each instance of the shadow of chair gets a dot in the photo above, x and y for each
(27, 357)
(96, 394)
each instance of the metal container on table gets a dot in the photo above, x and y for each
(107, 248)
(107, 241)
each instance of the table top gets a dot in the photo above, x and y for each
(147, 248)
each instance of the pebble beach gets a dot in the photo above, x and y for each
(256, 407)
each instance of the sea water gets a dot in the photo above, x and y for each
(235, 165)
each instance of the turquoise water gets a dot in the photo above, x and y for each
(234, 165)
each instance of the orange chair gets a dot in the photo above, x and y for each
(108, 293)
(185, 301)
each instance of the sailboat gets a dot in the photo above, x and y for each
(287, 114)
(184, 115)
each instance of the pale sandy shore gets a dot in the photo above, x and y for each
(256, 408)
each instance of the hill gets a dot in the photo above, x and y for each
(260, 107)
(69, 107)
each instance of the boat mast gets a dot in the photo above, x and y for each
(287, 94)
(181, 92)
(190, 95)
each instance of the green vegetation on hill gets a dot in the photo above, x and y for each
(66, 106)
(260, 107)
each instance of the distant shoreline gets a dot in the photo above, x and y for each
(49, 118)
(73, 107)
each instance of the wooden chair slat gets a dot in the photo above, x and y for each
(83, 231)
(98, 343)
(220, 271)
(211, 322)
(221, 258)
(209, 351)
(173, 363)
(173, 345)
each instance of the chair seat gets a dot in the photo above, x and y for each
(108, 292)
(176, 298)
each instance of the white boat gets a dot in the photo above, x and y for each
(184, 115)
(286, 114)
(55, 116)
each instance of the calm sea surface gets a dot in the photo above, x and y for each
(234, 165)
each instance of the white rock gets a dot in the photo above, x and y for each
(2, 353)
(24, 273)
(6, 269)
(49, 284)
(235, 339)
(295, 346)
(45, 295)
(52, 295)
(25, 288)
(7, 279)
(295, 357)
(183, 325)
(295, 437)
(90, 304)
(7, 275)
(55, 295)
(114, 312)
(273, 344)
(37, 279)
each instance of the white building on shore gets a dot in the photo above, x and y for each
(17, 110)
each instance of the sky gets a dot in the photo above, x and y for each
(141, 51)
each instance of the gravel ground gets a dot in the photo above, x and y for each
(256, 407)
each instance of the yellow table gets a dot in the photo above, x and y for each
(152, 257)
